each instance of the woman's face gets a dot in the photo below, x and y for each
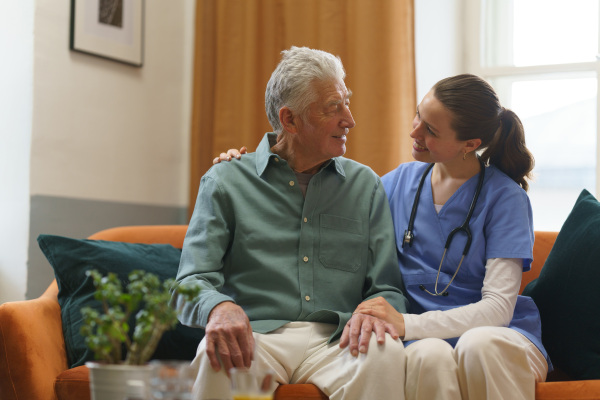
(434, 139)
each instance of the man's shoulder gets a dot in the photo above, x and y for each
(235, 173)
(247, 163)
(354, 168)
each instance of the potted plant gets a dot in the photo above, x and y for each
(107, 332)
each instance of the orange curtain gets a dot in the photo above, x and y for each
(238, 45)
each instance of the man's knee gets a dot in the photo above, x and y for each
(391, 352)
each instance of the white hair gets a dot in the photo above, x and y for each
(291, 82)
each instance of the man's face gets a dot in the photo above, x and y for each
(322, 132)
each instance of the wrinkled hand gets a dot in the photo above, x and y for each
(229, 337)
(231, 153)
(357, 332)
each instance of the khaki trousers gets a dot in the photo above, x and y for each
(487, 363)
(299, 353)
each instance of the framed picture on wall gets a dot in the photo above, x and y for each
(112, 29)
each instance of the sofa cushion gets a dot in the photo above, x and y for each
(73, 384)
(71, 258)
(567, 293)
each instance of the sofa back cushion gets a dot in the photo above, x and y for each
(567, 293)
(71, 258)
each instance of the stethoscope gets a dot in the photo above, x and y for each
(409, 236)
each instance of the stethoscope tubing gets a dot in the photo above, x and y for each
(464, 227)
(408, 235)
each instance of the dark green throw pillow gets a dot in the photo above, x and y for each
(567, 293)
(71, 258)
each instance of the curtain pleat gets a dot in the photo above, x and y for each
(238, 45)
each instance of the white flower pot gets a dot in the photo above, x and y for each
(118, 382)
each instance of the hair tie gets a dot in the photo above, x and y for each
(503, 115)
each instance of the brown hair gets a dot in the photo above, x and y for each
(477, 114)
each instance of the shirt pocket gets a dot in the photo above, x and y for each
(342, 242)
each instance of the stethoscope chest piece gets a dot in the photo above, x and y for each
(444, 293)
(408, 238)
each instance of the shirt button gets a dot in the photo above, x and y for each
(292, 183)
(305, 259)
(307, 298)
(305, 219)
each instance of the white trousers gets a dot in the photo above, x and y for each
(298, 352)
(487, 363)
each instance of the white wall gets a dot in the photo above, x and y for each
(108, 131)
(91, 138)
(16, 81)
(438, 42)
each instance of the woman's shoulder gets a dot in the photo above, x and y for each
(403, 177)
(502, 192)
(407, 169)
(500, 182)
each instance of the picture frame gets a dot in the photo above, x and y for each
(111, 29)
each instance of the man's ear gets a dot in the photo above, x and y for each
(287, 120)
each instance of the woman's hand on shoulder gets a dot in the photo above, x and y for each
(231, 153)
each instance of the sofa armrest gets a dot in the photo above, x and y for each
(32, 347)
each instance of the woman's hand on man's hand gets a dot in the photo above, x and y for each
(380, 308)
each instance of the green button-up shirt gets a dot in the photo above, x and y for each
(254, 239)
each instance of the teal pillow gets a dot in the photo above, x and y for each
(71, 258)
(567, 293)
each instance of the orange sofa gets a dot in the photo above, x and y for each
(33, 361)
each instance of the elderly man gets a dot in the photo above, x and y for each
(286, 242)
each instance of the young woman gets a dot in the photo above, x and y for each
(464, 235)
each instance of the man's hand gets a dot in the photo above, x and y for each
(229, 337)
(380, 308)
(231, 153)
(357, 332)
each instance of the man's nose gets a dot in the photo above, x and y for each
(348, 120)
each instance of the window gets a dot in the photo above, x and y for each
(542, 58)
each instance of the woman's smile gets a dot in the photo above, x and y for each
(419, 147)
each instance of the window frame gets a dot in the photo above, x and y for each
(474, 35)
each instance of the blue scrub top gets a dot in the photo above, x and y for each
(501, 227)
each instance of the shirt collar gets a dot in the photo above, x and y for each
(264, 154)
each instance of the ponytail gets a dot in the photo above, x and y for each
(508, 151)
(477, 114)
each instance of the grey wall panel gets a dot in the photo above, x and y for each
(79, 218)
